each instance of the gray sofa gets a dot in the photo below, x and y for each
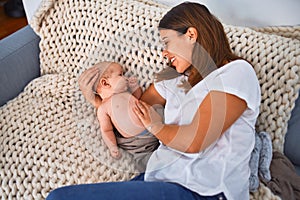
(19, 62)
(19, 65)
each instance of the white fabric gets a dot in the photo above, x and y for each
(30, 7)
(253, 13)
(224, 165)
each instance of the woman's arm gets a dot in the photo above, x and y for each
(134, 87)
(137, 93)
(216, 113)
(86, 82)
(152, 97)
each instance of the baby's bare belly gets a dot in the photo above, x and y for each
(122, 115)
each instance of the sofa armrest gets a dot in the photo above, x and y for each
(292, 137)
(19, 62)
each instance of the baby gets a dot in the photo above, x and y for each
(118, 96)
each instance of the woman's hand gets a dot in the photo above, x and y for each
(86, 82)
(149, 117)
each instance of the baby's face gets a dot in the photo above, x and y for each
(116, 78)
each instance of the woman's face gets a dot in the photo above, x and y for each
(178, 49)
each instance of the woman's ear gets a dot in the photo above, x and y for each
(192, 34)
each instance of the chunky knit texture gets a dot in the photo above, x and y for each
(49, 134)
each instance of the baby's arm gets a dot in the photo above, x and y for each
(107, 132)
(134, 87)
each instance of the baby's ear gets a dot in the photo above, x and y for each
(104, 83)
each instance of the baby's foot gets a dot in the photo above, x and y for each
(115, 153)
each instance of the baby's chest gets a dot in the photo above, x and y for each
(120, 106)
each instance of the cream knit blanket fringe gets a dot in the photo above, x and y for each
(49, 134)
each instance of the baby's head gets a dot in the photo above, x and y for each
(110, 78)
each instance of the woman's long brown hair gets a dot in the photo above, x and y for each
(213, 46)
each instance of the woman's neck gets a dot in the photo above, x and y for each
(194, 76)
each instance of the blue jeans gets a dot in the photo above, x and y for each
(135, 189)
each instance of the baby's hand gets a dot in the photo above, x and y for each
(114, 152)
(133, 83)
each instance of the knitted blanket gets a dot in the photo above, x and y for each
(49, 134)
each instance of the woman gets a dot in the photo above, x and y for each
(210, 112)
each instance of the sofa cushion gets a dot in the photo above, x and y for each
(19, 62)
(292, 138)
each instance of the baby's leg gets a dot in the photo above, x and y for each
(109, 139)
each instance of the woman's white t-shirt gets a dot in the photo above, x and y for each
(224, 165)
